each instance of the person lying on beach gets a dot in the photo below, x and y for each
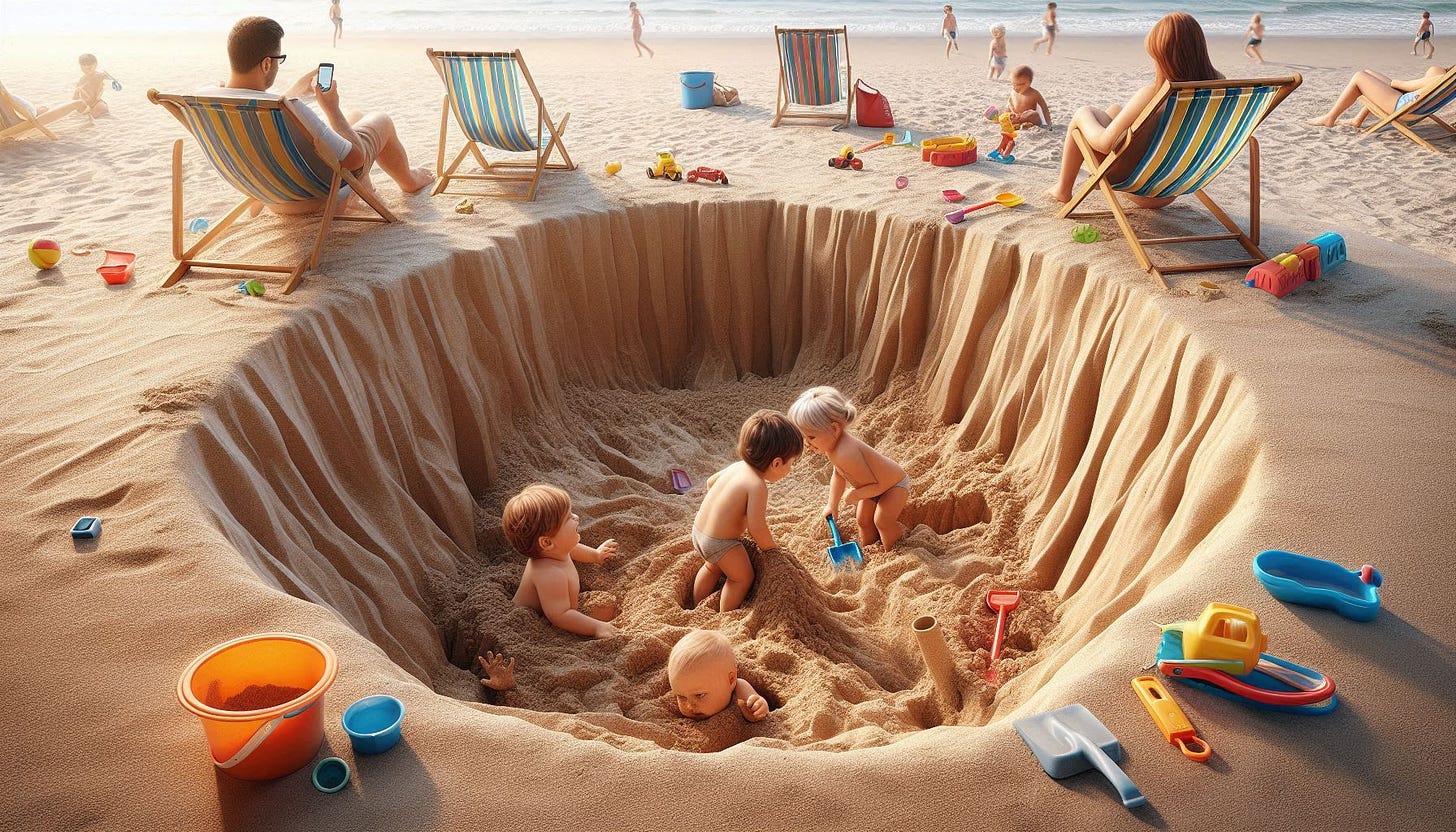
(878, 484)
(255, 53)
(997, 59)
(539, 524)
(702, 673)
(1389, 94)
(1026, 105)
(90, 86)
(1180, 53)
(737, 501)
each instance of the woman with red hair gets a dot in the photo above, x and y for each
(1180, 53)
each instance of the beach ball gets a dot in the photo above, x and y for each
(45, 254)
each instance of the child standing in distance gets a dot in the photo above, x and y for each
(876, 482)
(1424, 35)
(1048, 30)
(737, 501)
(539, 524)
(336, 16)
(637, 21)
(90, 86)
(997, 62)
(948, 31)
(1025, 104)
(702, 673)
(1255, 34)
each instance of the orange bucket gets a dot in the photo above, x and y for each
(260, 699)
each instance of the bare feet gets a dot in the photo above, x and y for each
(499, 674)
(418, 178)
(1352, 122)
(1056, 195)
(1322, 121)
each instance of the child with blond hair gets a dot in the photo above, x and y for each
(877, 483)
(997, 62)
(1026, 104)
(1255, 35)
(91, 85)
(539, 524)
(737, 501)
(702, 673)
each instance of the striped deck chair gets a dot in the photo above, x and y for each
(1197, 127)
(16, 121)
(810, 76)
(483, 91)
(1424, 106)
(260, 148)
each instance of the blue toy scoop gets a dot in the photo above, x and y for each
(1071, 740)
(841, 553)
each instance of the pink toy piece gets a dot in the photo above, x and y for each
(902, 182)
(679, 480)
(117, 267)
(952, 195)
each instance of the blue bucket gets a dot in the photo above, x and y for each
(697, 90)
(372, 723)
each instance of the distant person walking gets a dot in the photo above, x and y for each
(1048, 29)
(637, 20)
(336, 15)
(948, 31)
(1424, 36)
(1255, 34)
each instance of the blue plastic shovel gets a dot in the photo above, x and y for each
(842, 553)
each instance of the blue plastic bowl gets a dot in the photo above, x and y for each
(330, 775)
(1301, 579)
(373, 723)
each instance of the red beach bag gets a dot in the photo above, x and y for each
(871, 108)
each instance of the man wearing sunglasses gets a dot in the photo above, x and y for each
(255, 53)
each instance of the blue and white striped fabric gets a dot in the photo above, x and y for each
(1198, 135)
(252, 145)
(485, 93)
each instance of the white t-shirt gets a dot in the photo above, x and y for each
(311, 120)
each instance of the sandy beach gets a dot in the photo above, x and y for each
(334, 462)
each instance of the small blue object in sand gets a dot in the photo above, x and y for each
(843, 554)
(197, 225)
(996, 156)
(1300, 579)
(330, 775)
(373, 723)
(87, 528)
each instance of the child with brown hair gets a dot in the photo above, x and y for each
(1026, 105)
(539, 524)
(91, 85)
(737, 501)
(702, 673)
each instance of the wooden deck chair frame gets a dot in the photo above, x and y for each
(188, 258)
(508, 171)
(25, 122)
(1148, 119)
(1404, 118)
(783, 108)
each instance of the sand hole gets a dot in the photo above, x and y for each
(1063, 437)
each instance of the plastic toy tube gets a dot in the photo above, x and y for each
(938, 661)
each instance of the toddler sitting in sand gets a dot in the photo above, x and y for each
(1026, 105)
(703, 676)
(539, 524)
(877, 483)
(92, 84)
(737, 500)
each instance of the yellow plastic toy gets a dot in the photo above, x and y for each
(1170, 718)
(1225, 634)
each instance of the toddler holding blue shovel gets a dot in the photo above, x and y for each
(876, 482)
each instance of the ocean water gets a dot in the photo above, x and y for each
(729, 18)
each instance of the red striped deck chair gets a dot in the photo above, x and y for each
(483, 91)
(1198, 128)
(1418, 107)
(16, 120)
(259, 147)
(814, 75)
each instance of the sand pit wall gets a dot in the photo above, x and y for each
(342, 457)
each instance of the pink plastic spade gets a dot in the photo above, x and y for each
(1001, 601)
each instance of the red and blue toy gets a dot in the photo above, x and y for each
(1290, 270)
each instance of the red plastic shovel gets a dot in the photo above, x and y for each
(1001, 601)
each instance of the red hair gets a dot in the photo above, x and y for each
(1179, 50)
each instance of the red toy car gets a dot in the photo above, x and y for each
(846, 161)
(707, 175)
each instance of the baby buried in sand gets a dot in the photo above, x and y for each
(737, 501)
(703, 675)
(539, 524)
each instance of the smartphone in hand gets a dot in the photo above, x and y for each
(325, 76)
